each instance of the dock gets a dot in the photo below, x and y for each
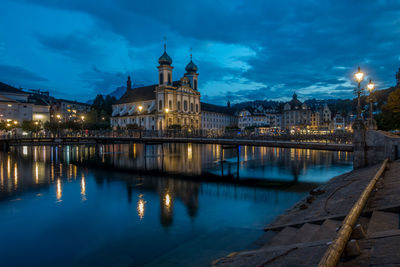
(303, 234)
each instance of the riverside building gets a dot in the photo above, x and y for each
(167, 104)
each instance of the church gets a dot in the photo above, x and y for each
(168, 104)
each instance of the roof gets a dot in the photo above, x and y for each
(143, 93)
(72, 102)
(10, 89)
(139, 94)
(216, 109)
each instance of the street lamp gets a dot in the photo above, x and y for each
(372, 123)
(166, 117)
(359, 76)
(83, 119)
(140, 120)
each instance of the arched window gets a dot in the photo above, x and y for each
(169, 78)
(179, 105)
(170, 104)
(191, 107)
(195, 85)
(185, 106)
(197, 108)
(161, 78)
(160, 105)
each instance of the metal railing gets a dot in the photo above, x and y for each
(337, 138)
(335, 250)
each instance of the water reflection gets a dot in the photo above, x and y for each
(147, 209)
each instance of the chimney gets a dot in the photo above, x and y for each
(128, 84)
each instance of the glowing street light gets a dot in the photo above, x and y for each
(359, 75)
(166, 117)
(140, 120)
(372, 122)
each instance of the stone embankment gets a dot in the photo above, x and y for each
(302, 235)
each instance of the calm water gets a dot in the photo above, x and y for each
(130, 205)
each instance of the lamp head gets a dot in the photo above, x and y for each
(371, 86)
(359, 75)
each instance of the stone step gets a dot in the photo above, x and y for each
(285, 237)
(383, 221)
(327, 231)
(306, 232)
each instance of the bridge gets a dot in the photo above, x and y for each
(317, 142)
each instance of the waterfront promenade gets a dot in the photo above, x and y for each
(302, 235)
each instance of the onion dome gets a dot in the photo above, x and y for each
(191, 67)
(165, 59)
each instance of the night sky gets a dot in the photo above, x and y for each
(245, 50)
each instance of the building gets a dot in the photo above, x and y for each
(17, 106)
(296, 115)
(217, 118)
(68, 110)
(338, 123)
(164, 105)
(258, 117)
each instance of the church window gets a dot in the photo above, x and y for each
(185, 106)
(195, 85)
(160, 105)
(197, 107)
(161, 78)
(191, 107)
(179, 105)
(169, 78)
(170, 104)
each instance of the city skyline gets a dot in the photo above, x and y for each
(245, 52)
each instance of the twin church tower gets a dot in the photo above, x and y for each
(168, 104)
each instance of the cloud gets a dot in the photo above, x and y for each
(311, 47)
(19, 76)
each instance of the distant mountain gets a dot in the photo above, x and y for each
(118, 92)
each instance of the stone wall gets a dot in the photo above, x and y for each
(372, 147)
(381, 145)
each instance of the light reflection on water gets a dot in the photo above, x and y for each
(89, 214)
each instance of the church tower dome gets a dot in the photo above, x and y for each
(191, 73)
(191, 67)
(165, 59)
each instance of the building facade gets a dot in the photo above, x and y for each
(17, 106)
(217, 118)
(296, 115)
(67, 110)
(168, 104)
(258, 117)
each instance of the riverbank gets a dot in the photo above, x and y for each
(302, 234)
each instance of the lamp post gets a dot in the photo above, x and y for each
(140, 121)
(359, 76)
(166, 120)
(166, 117)
(58, 124)
(371, 121)
(83, 119)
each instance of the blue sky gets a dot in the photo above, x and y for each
(245, 50)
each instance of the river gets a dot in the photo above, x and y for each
(153, 205)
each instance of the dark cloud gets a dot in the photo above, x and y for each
(78, 45)
(18, 76)
(311, 47)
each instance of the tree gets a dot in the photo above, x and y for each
(389, 119)
(30, 126)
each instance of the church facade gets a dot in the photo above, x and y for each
(168, 104)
